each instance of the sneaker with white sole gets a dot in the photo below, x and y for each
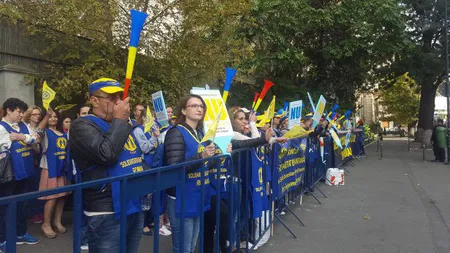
(84, 247)
(164, 231)
(27, 239)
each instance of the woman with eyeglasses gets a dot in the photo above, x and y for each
(182, 144)
(54, 164)
(32, 118)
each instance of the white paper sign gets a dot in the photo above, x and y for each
(213, 100)
(295, 113)
(320, 107)
(160, 108)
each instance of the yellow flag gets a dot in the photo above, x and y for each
(268, 114)
(212, 130)
(149, 121)
(296, 132)
(65, 107)
(47, 95)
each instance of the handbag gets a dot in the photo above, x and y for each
(6, 170)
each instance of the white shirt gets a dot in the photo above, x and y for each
(5, 140)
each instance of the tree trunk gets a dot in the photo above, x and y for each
(426, 112)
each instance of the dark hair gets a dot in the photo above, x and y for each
(182, 105)
(84, 105)
(12, 104)
(61, 118)
(440, 120)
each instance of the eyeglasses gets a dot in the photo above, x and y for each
(196, 106)
(110, 98)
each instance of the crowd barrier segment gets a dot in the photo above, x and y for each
(259, 183)
(132, 186)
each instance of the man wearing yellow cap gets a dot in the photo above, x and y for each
(102, 145)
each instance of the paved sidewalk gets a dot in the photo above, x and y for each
(398, 204)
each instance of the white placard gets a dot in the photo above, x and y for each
(295, 113)
(320, 107)
(160, 108)
(213, 100)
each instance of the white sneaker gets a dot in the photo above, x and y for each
(164, 231)
(84, 247)
(243, 245)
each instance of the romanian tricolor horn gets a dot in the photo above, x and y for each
(137, 23)
(267, 85)
(254, 99)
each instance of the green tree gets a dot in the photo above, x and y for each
(184, 43)
(424, 59)
(401, 100)
(326, 47)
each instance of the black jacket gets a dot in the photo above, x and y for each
(93, 152)
(250, 143)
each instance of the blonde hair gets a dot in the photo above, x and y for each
(27, 116)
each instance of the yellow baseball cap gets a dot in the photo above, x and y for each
(107, 85)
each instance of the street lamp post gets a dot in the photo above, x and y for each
(447, 83)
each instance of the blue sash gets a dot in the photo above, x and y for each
(260, 202)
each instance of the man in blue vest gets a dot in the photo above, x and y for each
(17, 140)
(103, 145)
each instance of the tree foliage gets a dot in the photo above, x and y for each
(424, 58)
(327, 47)
(401, 100)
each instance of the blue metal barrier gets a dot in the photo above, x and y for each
(238, 182)
(132, 186)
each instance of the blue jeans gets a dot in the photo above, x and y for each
(9, 189)
(191, 230)
(104, 233)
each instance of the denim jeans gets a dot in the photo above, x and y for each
(8, 189)
(104, 233)
(191, 230)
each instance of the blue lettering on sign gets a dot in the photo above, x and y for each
(295, 113)
(157, 104)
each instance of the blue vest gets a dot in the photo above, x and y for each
(21, 153)
(259, 197)
(192, 188)
(130, 161)
(56, 154)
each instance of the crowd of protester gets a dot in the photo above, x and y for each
(50, 149)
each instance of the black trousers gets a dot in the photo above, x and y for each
(9, 189)
(435, 151)
(210, 227)
(441, 154)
